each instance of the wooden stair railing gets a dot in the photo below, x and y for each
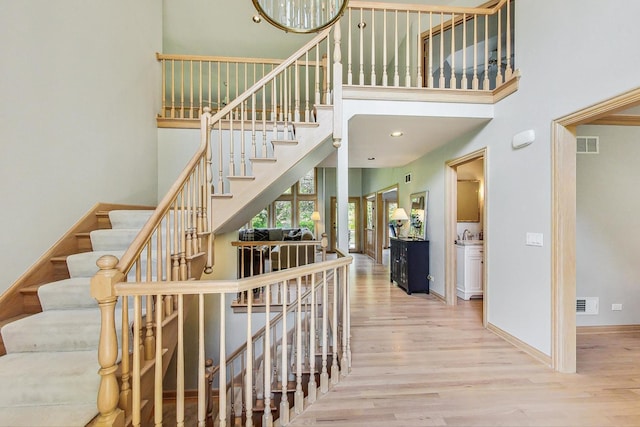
(176, 243)
(317, 323)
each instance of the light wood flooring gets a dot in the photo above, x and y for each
(418, 362)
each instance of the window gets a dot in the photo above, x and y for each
(305, 209)
(261, 220)
(283, 213)
(293, 208)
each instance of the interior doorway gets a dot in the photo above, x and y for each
(354, 217)
(468, 226)
(563, 227)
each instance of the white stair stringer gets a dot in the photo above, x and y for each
(272, 176)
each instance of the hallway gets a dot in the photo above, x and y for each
(417, 362)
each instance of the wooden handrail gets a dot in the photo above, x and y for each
(356, 4)
(230, 59)
(228, 286)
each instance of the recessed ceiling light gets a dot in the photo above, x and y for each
(396, 133)
(257, 19)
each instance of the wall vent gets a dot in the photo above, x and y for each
(407, 178)
(587, 305)
(588, 145)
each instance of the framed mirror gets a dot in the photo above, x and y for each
(468, 201)
(418, 215)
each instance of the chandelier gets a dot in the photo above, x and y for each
(301, 16)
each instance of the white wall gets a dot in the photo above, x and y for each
(555, 53)
(77, 120)
(608, 225)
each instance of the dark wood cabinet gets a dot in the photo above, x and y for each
(410, 264)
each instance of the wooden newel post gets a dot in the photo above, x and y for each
(102, 289)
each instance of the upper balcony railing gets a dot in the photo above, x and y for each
(382, 45)
(421, 46)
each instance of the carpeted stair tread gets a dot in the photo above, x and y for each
(49, 378)
(75, 415)
(84, 264)
(117, 239)
(129, 219)
(67, 294)
(56, 330)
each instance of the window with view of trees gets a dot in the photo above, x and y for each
(293, 208)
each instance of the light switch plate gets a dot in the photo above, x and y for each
(534, 239)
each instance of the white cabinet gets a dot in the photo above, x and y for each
(469, 270)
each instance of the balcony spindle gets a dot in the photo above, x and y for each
(249, 368)
(299, 396)
(191, 103)
(430, 58)
(407, 77)
(182, 89)
(267, 417)
(349, 53)
(474, 80)
(361, 26)
(296, 82)
(173, 89)
(508, 71)
(204, 389)
(312, 386)
(385, 77)
(453, 82)
(157, 396)
(324, 374)
(232, 167)
(164, 88)
(419, 73)
(373, 47)
(441, 83)
(306, 87)
(222, 378)
(396, 76)
(284, 374)
(499, 53)
(254, 149)
(463, 81)
(317, 91)
(485, 82)
(335, 350)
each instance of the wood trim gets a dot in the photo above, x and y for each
(390, 93)
(618, 120)
(607, 329)
(356, 4)
(451, 178)
(563, 263)
(232, 59)
(563, 250)
(437, 296)
(42, 270)
(601, 110)
(521, 345)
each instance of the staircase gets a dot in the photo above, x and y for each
(48, 374)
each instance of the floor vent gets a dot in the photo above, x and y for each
(587, 305)
(588, 145)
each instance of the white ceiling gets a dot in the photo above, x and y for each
(370, 136)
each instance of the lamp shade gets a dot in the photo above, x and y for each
(315, 216)
(399, 215)
(301, 16)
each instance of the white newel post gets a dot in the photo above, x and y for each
(337, 87)
(102, 289)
